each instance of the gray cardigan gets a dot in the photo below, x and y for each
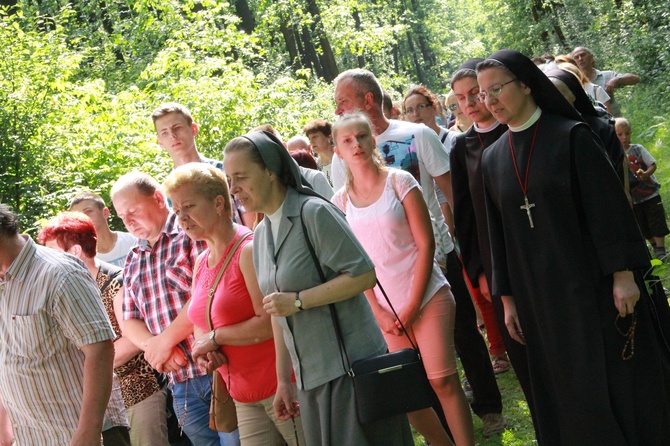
(288, 267)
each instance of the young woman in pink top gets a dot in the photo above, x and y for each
(242, 331)
(390, 218)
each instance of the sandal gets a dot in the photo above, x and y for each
(500, 364)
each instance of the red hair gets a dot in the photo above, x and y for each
(69, 229)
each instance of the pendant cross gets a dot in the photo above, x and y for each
(527, 207)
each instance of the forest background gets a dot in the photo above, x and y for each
(79, 80)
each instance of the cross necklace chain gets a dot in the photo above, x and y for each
(524, 184)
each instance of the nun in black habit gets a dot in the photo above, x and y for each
(600, 122)
(563, 242)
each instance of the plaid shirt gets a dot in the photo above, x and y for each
(157, 284)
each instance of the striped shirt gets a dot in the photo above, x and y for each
(49, 308)
(157, 284)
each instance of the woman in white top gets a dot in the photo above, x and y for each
(389, 216)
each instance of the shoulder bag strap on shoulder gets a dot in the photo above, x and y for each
(212, 290)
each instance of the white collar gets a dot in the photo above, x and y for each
(532, 120)
(485, 129)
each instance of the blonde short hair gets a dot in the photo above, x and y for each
(209, 182)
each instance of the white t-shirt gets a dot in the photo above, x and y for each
(384, 231)
(597, 92)
(417, 149)
(117, 256)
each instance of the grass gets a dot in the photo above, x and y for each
(519, 430)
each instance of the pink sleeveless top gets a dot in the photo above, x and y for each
(252, 367)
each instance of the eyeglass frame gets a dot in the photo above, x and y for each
(493, 92)
(419, 108)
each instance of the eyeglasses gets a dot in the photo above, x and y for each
(452, 107)
(419, 108)
(493, 92)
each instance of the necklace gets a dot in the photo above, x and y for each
(481, 141)
(365, 197)
(524, 184)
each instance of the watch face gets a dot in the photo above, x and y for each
(298, 304)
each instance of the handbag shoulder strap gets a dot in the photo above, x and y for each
(333, 311)
(212, 290)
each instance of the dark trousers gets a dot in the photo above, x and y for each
(470, 344)
(116, 436)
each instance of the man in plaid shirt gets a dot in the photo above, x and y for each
(157, 285)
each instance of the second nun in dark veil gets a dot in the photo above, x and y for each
(600, 122)
(266, 179)
(563, 241)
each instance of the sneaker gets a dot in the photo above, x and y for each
(493, 423)
(467, 389)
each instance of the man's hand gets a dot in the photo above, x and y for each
(611, 85)
(176, 361)
(157, 352)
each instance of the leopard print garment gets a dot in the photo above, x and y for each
(137, 378)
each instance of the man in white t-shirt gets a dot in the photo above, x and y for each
(113, 246)
(411, 147)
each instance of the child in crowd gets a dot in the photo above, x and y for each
(644, 189)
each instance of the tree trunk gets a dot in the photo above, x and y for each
(426, 51)
(417, 63)
(242, 10)
(326, 56)
(10, 5)
(357, 21)
(291, 44)
(309, 52)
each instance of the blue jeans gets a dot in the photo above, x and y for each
(195, 394)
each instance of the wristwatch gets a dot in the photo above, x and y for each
(298, 302)
(212, 338)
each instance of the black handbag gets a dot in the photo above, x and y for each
(384, 385)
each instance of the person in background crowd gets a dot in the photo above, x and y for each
(268, 181)
(551, 167)
(241, 328)
(175, 132)
(298, 142)
(609, 80)
(601, 123)
(411, 147)
(318, 132)
(113, 246)
(55, 344)
(378, 197)
(462, 121)
(317, 180)
(156, 291)
(74, 233)
(391, 109)
(304, 159)
(645, 190)
(596, 93)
